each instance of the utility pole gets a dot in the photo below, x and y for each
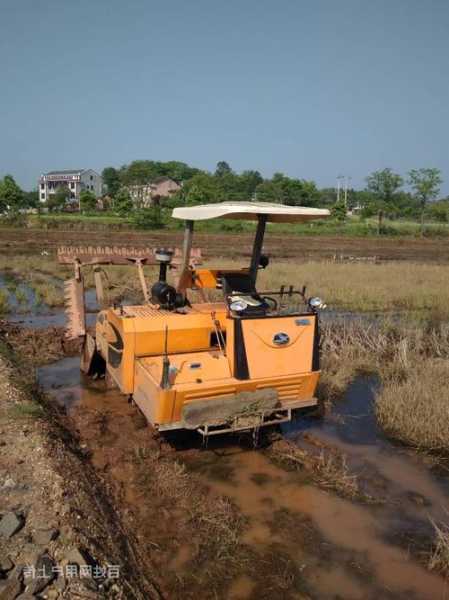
(347, 179)
(339, 178)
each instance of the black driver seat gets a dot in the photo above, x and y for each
(241, 286)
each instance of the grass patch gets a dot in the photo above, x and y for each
(412, 362)
(439, 558)
(400, 288)
(389, 287)
(328, 468)
(415, 409)
(26, 410)
(4, 304)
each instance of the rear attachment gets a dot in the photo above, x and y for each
(248, 423)
(244, 411)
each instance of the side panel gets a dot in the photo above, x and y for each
(156, 404)
(279, 346)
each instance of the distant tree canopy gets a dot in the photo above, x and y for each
(111, 180)
(123, 203)
(11, 196)
(141, 172)
(88, 200)
(285, 190)
(222, 168)
(384, 187)
(58, 200)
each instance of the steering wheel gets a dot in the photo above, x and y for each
(273, 300)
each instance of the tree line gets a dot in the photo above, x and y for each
(384, 193)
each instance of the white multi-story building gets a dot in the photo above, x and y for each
(76, 181)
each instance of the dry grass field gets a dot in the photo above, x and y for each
(412, 361)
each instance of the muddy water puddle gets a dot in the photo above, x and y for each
(304, 542)
(27, 308)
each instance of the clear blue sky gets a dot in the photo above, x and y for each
(311, 88)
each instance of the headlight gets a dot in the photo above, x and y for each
(315, 303)
(238, 305)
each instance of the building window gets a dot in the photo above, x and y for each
(91, 177)
(72, 185)
(91, 187)
(42, 186)
(72, 195)
(42, 196)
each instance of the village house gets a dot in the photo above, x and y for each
(76, 180)
(153, 193)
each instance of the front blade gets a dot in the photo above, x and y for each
(74, 308)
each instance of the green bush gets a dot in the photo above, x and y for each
(13, 219)
(149, 218)
(338, 212)
(88, 201)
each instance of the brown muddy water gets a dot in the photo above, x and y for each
(307, 542)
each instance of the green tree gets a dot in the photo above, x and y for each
(439, 211)
(31, 199)
(58, 200)
(249, 180)
(88, 200)
(123, 204)
(285, 190)
(222, 169)
(140, 172)
(338, 211)
(200, 189)
(11, 195)
(426, 187)
(269, 192)
(111, 179)
(229, 186)
(178, 171)
(384, 186)
(149, 218)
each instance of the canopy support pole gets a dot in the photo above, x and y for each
(257, 247)
(186, 250)
(187, 247)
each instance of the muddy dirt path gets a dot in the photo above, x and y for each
(277, 246)
(288, 538)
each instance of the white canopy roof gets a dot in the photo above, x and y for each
(276, 213)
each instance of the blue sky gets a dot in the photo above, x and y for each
(313, 89)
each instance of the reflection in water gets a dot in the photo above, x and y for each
(341, 549)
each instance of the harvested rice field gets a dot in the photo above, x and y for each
(349, 501)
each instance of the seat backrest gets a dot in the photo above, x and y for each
(237, 283)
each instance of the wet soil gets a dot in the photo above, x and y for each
(279, 535)
(65, 514)
(298, 247)
(38, 346)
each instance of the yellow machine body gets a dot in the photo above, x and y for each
(135, 340)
